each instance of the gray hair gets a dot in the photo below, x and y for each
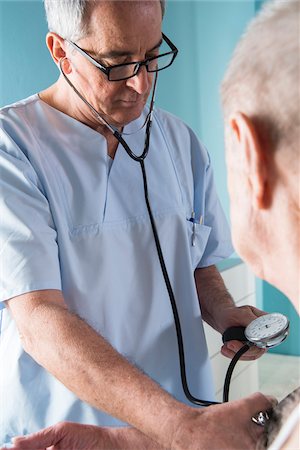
(262, 79)
(70, 18)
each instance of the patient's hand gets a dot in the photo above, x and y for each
(74, 436)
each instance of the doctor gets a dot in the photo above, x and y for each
(87, 331)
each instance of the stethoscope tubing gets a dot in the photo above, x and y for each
(113, 129)
(186, 390)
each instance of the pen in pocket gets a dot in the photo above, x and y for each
(194, 222)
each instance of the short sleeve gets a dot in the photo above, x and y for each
(219, 244)
(28, 246)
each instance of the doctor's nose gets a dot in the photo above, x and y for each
(140, 82)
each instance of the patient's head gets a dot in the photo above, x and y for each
(260, 95)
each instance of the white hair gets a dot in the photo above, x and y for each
(70, 18)
(262, 79)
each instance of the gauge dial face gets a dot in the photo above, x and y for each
(267, 327)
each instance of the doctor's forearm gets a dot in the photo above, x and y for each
(213, 296)
(87, 365)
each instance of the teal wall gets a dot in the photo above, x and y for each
(205, 33)
(272, 300)
(26, 65)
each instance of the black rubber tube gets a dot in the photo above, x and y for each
(232, 364)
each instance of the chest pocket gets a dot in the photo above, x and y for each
(197, 237)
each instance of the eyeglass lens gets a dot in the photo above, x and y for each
(127, 71)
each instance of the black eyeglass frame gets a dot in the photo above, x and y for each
(107, 69)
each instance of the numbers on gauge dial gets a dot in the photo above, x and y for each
(267, 326)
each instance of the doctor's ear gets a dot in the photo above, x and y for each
(56, 46)
(246, 140)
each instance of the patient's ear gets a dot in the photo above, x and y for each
(246, 139)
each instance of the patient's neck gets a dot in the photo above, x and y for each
(282, 268)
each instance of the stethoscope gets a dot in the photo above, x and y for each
(264, 332)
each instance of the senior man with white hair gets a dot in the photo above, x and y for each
(261, 102)
(87, 331)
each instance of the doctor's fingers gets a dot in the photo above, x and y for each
(229, 349)
(258, 404)
(239, 415)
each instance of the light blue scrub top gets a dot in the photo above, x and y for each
(68, 222)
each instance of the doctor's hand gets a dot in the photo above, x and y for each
(227, 426)
(75, 436)
(234, 316)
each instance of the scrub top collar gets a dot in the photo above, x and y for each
(131, 128)
(136, 125)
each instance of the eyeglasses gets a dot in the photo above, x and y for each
(124, 71)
